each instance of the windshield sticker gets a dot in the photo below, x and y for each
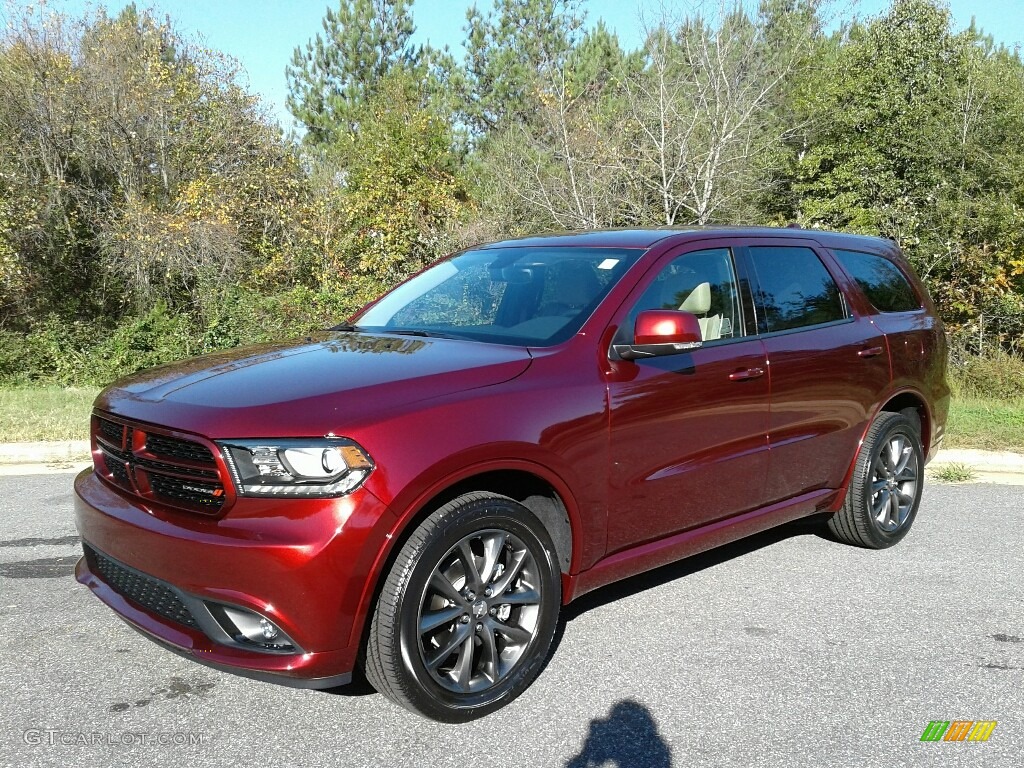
(608, 264)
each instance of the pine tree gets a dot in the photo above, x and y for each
(507, 51)
(336, 74)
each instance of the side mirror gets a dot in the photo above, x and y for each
(661, 332)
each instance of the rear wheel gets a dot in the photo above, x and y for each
(466, 616)
(885, 490)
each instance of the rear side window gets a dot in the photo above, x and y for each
(794, 289)
(882, 282)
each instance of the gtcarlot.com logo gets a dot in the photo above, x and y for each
(50, 737)
(958, 730)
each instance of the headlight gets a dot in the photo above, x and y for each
(296, 468)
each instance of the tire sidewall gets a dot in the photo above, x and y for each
(896, 425)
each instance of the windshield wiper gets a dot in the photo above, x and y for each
(343, 327)
(423, 333)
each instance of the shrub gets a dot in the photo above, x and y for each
(993, 374)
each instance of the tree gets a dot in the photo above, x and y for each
(508, 51)
(919, 145)
(400, 193)
(561, 168)
(699, 116)
(338, 72)
(141, 169)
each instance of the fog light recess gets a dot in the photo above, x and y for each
(250, 629)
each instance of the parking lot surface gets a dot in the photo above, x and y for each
(786, 649)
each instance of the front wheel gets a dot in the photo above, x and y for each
(885, 490)
(467, 614)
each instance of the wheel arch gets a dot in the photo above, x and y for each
(533, 486)
(911, 404)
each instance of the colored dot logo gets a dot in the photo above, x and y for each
(958, 730)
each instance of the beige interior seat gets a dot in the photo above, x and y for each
(698, 302)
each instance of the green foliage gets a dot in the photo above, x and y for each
(80, 353)
(149, 210)
(913, 133)
(141, 170)
(508, 51)
(993, 373)
(401, 188)
(954, 472)
(331, 80)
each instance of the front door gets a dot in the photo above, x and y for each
(688, 432)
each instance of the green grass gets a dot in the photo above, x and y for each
(955, 472)
(989, 423)
(45, 413)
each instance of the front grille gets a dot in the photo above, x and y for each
(114, 433)
(153, 464)
(189, 491)
(152, 594)
(174, 448)
(119, 473)
(172, 468)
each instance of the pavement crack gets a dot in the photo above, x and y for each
(43, 568)
(71, 541)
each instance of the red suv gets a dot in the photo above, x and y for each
(416, 494)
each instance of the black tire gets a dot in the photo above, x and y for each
(486, 627)
(885, 490)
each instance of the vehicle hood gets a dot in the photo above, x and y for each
(308, 388)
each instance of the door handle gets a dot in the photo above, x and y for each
(746, 374)
(870, 352)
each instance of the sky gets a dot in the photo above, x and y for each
(262, 34)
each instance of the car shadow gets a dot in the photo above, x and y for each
(808, 526)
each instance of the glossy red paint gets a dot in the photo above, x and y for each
(645, 461)
(666, 326)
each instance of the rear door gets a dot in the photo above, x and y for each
(828, 365)
(913, 334)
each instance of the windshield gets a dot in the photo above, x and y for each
(526, 296)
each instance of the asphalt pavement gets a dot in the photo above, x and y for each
(784, 650)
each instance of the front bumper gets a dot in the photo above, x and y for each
(304, 564)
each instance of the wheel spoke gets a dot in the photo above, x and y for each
(878, 485)
(459, 636)
(909, 473)
(489, 660)
(441, 586)
(882, 502)
(525, 597)
(515, 634)
(894, 510)
(464, 664)
(890, 457)
(434, 619)
(472, 570)
(906, 454)
(493, 546)
(878, 466)
(905, 498)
